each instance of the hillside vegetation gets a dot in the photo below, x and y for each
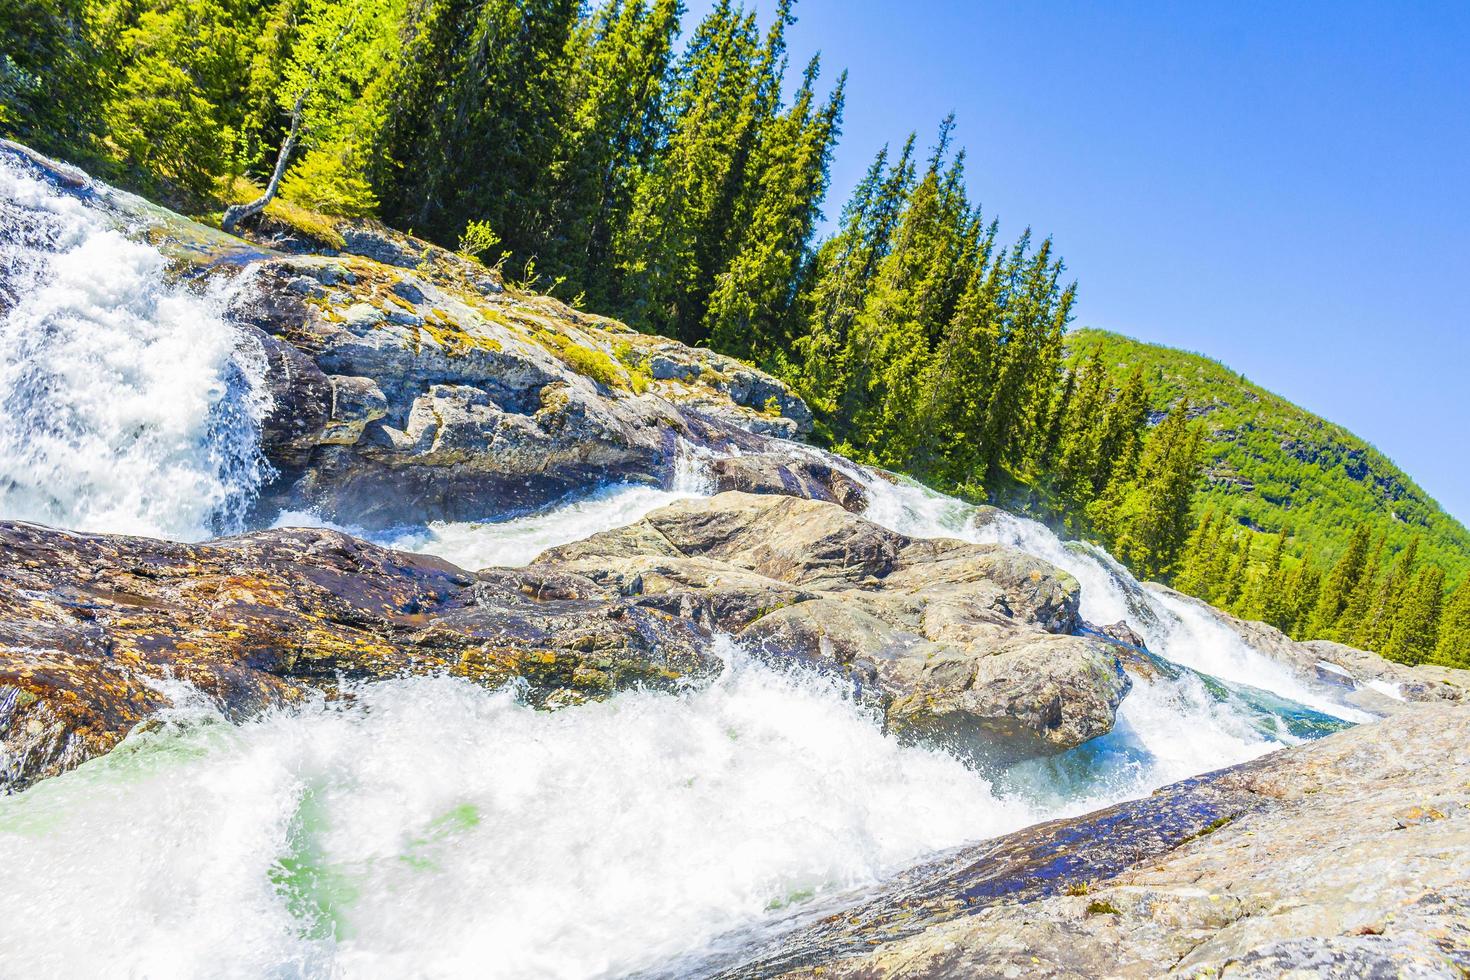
(1272, 465)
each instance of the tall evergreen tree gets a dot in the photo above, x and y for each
(1452, 647)
(621, 59)
(747, 314)
(1372, 630)
(1339, 584)
(836, 286)
(1148, 522)
(1412, 638)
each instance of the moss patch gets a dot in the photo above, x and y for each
(587, 361)
(303, 220)
(453, 339)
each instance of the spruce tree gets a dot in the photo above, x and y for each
(1372, 630)
(1339, 584)
(1452, 647)
(1360, 601)
(747, 312)
(1412, 638)
(1152, 516)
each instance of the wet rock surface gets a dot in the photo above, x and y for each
(92, 628)
(1346, 857)
(956, 643)
(959, 643)
(790, 475)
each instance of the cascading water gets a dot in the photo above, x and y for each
(431, 827)
(127, 402)
(1212, 701)
(518, 541)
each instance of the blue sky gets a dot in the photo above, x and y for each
(1282, 186)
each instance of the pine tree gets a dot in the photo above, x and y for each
(1083, 432)
(1149, 521)
(1412, 638)
(1268, 601)
(1360, 601)
(1193, 577)
(683, 226)
(747, 314)
(1122, 435)
(480, 119)
(1233, 586)
(1372, 630)
(1302, 592)
(1339, 584)
(50, 74)
(836, 284)
(621, 58)
(1452, 648)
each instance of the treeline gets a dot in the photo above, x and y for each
(1394, 605)
(677, 188)
(925, 345)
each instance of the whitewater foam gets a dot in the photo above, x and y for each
(430, 827)
(1180, 631)
(127, 402)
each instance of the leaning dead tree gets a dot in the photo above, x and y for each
(236, 213)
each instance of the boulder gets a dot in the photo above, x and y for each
(1121, 632)
(957, 643)
(790, 475)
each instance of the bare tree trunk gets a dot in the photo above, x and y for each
(236, 213)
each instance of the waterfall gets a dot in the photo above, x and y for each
(430, 826)
(1213, 701)
(127, 402)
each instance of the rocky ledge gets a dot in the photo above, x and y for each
(1343, 858)
(956, 643)
(401, 382)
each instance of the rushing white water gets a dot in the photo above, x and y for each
(433, 828)
(1213, 701)
(430, 827)
(1178, 630)
(514, 542)
(127, 402)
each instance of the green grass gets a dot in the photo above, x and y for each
(1272, 464)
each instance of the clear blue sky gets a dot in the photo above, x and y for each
(1282, 186)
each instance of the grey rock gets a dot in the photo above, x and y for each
(956, 643)
(790, 475)
(1346, 857)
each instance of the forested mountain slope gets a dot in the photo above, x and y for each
(1273, 465)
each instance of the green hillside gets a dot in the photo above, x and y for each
(1274, 465)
